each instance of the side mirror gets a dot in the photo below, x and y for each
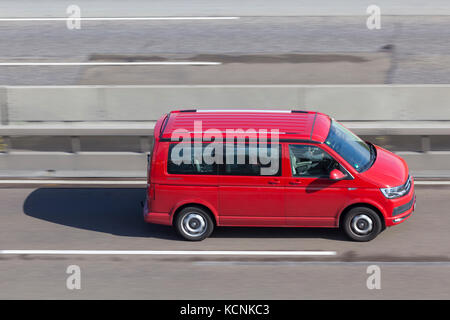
(336, 174)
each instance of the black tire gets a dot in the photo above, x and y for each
(191, 219)
(362, 224)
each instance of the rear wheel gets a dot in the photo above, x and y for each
(362, 224)
(194, 224)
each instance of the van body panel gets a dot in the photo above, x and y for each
(259, 203)
(175, 190)
(320, 128)
(311, 201)
(294, 197)
(289, 125)
(388, 170)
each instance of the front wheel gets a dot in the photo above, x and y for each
(362, 224)
(194, 224)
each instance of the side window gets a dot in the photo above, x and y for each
(250, 160)
(190, 164)
(311, 161)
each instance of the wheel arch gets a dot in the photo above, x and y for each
(205, 207)
(362, 204)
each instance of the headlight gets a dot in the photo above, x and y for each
(396, 192)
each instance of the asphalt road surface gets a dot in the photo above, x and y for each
(250, 50)
(414, 257)
(114, 8)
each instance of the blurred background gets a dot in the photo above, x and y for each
(83, 82)
(80, 97)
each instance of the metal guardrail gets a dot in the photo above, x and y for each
(77, 162)
(424, 129)
(144, 130)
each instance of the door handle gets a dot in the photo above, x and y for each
(274, 182)
(295, 183)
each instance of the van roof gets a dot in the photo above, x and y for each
(291, 124)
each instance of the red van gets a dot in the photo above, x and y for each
(272, 169)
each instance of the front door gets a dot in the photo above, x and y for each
(311, 198)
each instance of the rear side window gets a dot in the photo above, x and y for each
(235, 159)
(191, 164)
(251, 160)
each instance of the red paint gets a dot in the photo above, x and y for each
(282, 200)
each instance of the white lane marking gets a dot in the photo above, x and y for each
(168, 252)
(112, 63)
(431, 182)
(118, 19)
(263, 86)
(325, 263)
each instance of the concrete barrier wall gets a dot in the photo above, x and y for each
(60, 164)
(129, 164)
(136, 103)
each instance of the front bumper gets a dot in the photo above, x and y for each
(402, 212)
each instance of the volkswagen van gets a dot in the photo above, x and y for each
(259, 168)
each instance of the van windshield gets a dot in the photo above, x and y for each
(349, 146)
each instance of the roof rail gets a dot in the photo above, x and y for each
(241, 110)
(299, 111)
(246, 110)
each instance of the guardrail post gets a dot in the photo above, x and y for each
(4, 115)
(5, 143)
(426, 143)
(75, 144)
(144, 144)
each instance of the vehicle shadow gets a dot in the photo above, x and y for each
(116, 211)
(271, 232)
